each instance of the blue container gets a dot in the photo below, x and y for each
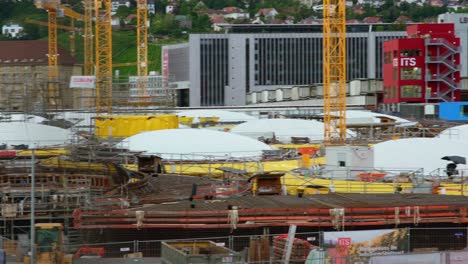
(2, 257)
(456, 111)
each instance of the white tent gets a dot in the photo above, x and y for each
(22, 118)
(456, 133)
(416, 153)
(17, 133)
(224, 116)
(283, 129)
(362, 116)
(77, 118)
(195, 144)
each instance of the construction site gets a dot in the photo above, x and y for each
(95, 169)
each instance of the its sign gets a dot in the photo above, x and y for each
(344, 241)
(83, 82)
(405, 62)
(463, 20)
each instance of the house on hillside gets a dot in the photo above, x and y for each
(172, 7)
(151, 7)
(235, 13)
(184, 21)
(216, 21)
(372, 20)
(115, 22)
(438, 3)
(12, 30)
(117, 3)
(267, 13)
(403, 19)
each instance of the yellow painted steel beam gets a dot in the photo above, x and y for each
(102, 10)
(53, 93)
(45, 24)
(334, 70)
(142, 49)
(88, 37)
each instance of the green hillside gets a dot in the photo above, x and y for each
(123, 50)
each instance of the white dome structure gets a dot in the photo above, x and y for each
(22, 118)
(417, 153)
(77, 118)
(361, 116)
(18, 133)
(455, 133)
(224, 116)
(283, 129)
(195, 144)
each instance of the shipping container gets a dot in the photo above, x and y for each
(206, 252)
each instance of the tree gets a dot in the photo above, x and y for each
(123, 11)
(201, 23)
(165, 25)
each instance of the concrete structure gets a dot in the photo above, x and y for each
(460, 20)
(345, 162)
(24, 77)
(12, 30)
(175, 70)
(425, 67)
(249, 63)
(226, 67)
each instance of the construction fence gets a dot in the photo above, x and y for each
(439, 245)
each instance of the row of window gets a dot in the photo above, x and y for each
(407, 91)
(406, 74)
(389, 55)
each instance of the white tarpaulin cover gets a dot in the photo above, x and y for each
(194, 144)
(224, 116)
(362, 116)
(418, 153)
(17, 133)
(283, 129)
(456, 133)
(22, 118)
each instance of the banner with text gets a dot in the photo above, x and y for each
(83, 82)
(359, 246)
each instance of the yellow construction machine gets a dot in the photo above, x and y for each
(49, 245)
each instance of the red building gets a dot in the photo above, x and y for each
(425, 67)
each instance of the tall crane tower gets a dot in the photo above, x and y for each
(88, 37)
(70, 28)
(54, 9)
(334, 70)
(102, 10)
(142, 48)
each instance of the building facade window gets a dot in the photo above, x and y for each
(411, 73)
(410, 53)
(411, 91)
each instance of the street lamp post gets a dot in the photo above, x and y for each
(33, 186)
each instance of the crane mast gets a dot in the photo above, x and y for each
(142, 48)
(88, 37)
(102, 10)
(334, 70)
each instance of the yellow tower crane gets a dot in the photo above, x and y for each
(54, 9)
(102, 10)
(142, 48)
(334, 70)
(70, 28)
(88, 37)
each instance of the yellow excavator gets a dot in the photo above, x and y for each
(49, 245)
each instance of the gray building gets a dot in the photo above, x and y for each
(461, 30)
(224, 68)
